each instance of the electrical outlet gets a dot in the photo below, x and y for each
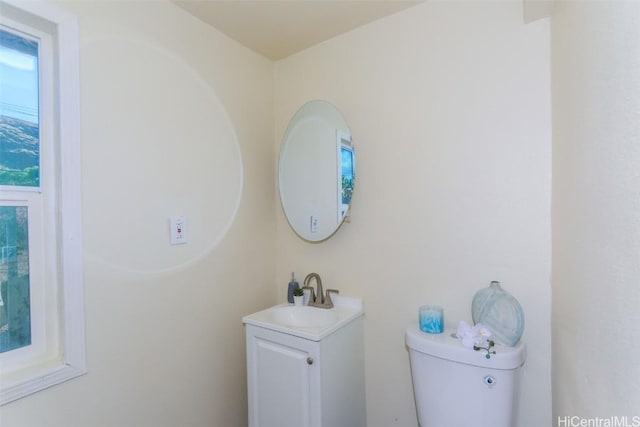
(178, 230)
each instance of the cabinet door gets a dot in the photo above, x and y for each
(283, 378)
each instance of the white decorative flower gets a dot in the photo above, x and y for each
(465, 334)
(481, 335)
(475, 337)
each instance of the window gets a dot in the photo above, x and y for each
(41, 298)
(20, 170)
(346, 172)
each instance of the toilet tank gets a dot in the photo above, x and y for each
(456, 386)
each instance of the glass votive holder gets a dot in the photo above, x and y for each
(431, 319)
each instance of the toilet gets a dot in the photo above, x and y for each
(455, 386)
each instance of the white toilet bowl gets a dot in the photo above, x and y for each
(456, 386)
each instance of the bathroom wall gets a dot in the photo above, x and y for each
(596, 225)
(176, 120)
(449, 107)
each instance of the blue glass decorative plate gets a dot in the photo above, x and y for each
(499, 311)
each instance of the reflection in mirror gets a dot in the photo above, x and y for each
(317, 171)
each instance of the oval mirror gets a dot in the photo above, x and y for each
(316, 171)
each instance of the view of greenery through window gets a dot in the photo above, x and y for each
(347, 175)
(19, 167)
(15, 315)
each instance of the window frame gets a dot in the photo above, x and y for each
(71, 358)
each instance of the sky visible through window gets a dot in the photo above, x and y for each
(18, 77)
(19, 111)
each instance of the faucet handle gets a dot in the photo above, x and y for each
(328, 296)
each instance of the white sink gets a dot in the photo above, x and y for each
(308, 322)
(303, 317)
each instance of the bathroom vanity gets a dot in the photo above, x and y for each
(305, 366)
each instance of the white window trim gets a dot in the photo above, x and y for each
(72, 362)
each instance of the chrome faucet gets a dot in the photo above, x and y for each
(317, 299)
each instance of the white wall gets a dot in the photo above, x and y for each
(162, 96)
(596, 205)
(449, 107)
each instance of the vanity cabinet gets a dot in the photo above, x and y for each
(298, 382)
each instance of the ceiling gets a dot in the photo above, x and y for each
(277, 29)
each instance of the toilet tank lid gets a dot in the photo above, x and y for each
(447, 346)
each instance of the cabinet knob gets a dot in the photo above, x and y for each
(309, 361)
